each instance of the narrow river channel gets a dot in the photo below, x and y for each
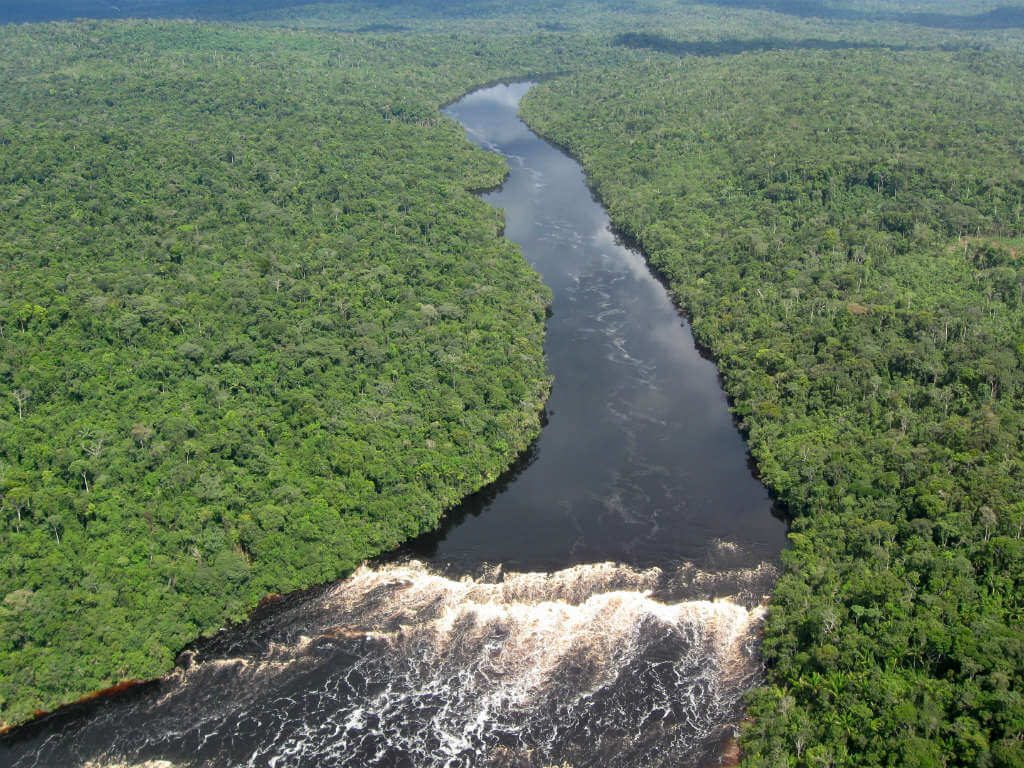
(599, 607)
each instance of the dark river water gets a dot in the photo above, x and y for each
(598, 607)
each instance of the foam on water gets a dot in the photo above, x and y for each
(402, 665)
(537, 663)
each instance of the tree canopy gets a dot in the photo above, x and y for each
(844, 228)
(254, 328)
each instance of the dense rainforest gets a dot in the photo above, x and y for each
(845, 229)
(254, 327)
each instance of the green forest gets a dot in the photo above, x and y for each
(845, 230)
(255, 327)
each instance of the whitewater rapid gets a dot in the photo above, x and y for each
(598, 664)
(636, 554)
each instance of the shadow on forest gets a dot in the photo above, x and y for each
(735, 46)
(1005, 17)
(381, 28)
(22, 11)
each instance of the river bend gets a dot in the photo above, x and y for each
(600, 606)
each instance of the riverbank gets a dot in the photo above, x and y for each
(639, 469)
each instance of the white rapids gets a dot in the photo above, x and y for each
(575, 652)
(401, 665)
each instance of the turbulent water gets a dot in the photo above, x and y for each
(599, 608)
(400, 666)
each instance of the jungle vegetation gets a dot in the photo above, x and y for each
(255, 327)
(844, 229)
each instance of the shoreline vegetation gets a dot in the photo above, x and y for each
(841, 221)
(827, 287)
(382, 357)
(271, 598)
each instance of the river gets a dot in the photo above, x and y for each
(600, 606)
